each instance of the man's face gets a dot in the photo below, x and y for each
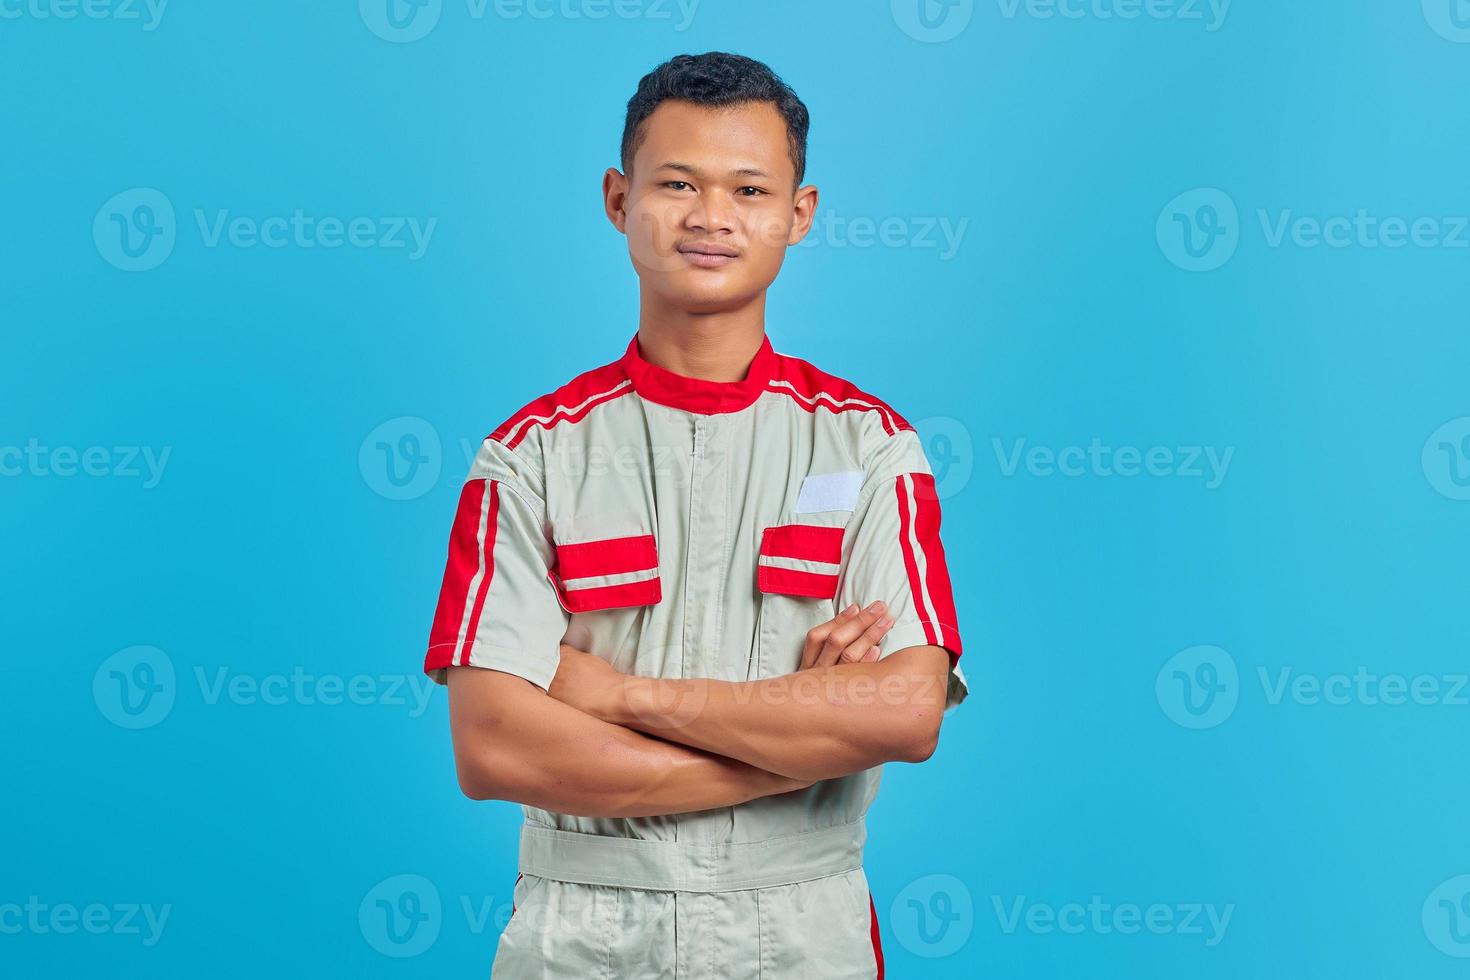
(709, 204)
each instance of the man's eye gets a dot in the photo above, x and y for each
(754, 191)
(676, 185)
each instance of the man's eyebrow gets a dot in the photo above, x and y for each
(694, 171)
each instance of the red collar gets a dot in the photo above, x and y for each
(696, 394)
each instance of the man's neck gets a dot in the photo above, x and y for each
(708, 346)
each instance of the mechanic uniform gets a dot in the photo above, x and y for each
(687, 528)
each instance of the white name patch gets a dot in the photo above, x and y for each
(829, 491)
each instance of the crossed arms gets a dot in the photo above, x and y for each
(604, 744)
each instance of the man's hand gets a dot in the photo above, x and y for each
(585, 681)
(591, 685)
(855, 713)
(850, 637)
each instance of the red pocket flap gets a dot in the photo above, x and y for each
(808, 542)
(607, 574)
(800, 560)
(610, 556)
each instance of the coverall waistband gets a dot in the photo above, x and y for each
(694, 866)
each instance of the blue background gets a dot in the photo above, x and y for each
(272, 543)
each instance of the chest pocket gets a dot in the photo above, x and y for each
(796, 577)
(608, 573)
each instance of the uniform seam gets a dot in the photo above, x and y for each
(872, 474)
(536, 466)
(725, 553)
(691, 536)
(709, 925)
(607, 936)
(761, 946)
(537, 505)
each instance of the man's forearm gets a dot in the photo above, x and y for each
(622, 773)
(815, 724)
(512, 742)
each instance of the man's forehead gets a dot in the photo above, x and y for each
(747, 139)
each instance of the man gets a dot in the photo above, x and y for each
(696, 598)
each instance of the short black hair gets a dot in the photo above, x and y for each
(716, 78)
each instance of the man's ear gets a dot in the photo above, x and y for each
(805, 207)
(614, 197)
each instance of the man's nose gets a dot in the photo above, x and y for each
(712, 212)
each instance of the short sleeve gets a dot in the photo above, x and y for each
(497, 606)
(893, 552)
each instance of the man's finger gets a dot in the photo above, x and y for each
(845, 632)
(818, 635)
(858, 648)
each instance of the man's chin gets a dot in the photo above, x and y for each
(708, 297)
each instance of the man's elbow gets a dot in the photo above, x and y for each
(920, 738)
(489, 775)
(478, 782)
(479, 791)
(917, 676)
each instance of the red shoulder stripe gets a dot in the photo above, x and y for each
(809, 387)
(569, 403)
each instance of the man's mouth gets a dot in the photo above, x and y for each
(708, 256)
